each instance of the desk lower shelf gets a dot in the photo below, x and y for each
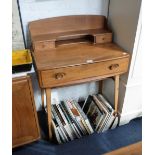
(48, 93)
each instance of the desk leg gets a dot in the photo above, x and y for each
(42, 97)
(101, 87)
(116, 92)
(49, 113)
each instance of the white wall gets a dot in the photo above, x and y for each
(123, 20)
(38, 9)
(17, 36)
(132, 106)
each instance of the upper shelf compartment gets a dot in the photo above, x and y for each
(53, 32)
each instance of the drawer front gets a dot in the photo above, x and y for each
(44, 45)
(105, 38)
(68, 75)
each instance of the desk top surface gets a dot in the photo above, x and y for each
(77, 54)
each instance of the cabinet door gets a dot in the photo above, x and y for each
(25, 127)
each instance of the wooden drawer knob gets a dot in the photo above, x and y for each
(59, 76)
(113, 66)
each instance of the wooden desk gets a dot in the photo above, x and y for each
(69, 58)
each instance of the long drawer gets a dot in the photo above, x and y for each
(67, 75)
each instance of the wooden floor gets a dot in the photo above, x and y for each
(134, 149)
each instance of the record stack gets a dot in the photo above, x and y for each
(72, 120)
(100, 113)
(69, 121)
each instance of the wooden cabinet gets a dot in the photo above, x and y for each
(25, 127)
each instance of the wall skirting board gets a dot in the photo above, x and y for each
(131, 106)
(129, 99)
(126, 118)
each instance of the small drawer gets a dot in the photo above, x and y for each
(44, 45)
(68, 75)
(103, 38)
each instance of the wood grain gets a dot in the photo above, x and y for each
(133, 149)
(77, 54)
(71, 74)
(61, 35)
(44, 45)
(66, 24)
(47, 33)
(25, 128)
(103, 38)
(49, 115)
(116, 92)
